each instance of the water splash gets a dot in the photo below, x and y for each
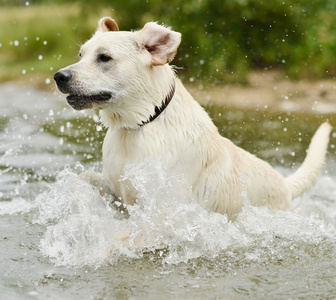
(15, 206)
(82, 229)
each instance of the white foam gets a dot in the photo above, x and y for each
(15, 206)
(82, 229)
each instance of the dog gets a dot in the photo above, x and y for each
(150, 115)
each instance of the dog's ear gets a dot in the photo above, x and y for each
(107, 24)
(160, 42)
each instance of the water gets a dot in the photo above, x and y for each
(60, 240)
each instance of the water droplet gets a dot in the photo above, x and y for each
(40, 57)
(47, 81)
(24, 72)
(95, 118)
(16, 43)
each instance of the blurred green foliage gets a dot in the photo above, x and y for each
(222, 40)
(225, 39)
(38, 39)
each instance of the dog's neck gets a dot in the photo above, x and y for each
(159, 110)
(114, 116)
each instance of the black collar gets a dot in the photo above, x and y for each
(159, 110)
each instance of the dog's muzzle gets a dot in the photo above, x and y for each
(77, 99)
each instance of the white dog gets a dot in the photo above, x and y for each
(150, 115)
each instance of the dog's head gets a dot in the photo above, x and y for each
(121, 71)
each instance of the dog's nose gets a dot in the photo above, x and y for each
(62, 77)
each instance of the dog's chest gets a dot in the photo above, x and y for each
(121, 149)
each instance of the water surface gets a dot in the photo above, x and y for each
(60, 240)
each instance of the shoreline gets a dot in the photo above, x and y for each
(271, 91)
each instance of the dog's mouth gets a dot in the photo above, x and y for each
(80, 102)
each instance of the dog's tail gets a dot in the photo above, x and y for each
(305, 177)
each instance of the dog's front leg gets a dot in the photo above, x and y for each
(105, 190)
(98, 181)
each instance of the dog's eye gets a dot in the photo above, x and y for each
(80, 54)
(104, 58)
